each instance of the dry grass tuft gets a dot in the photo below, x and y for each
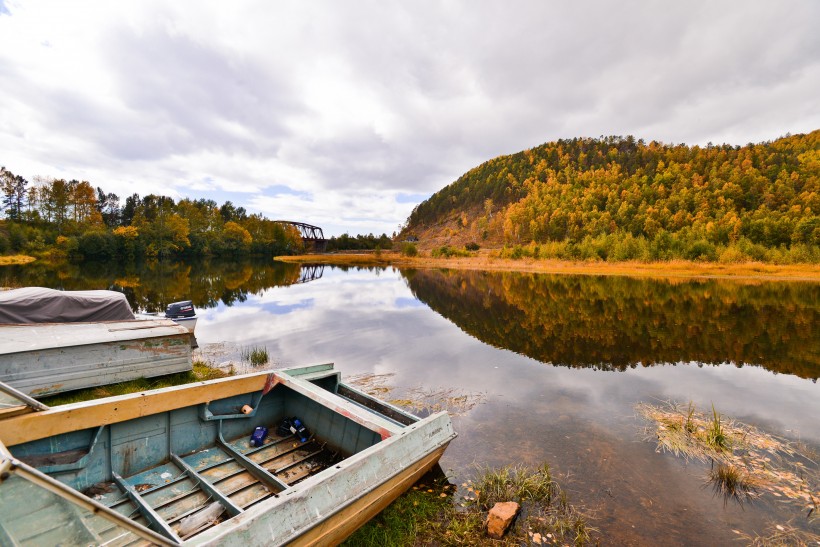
(780, 535)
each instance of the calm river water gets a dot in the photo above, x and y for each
(551, 367)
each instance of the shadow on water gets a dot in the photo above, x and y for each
(616, 323)
(150, 286)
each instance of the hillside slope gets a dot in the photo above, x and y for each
(620, 198)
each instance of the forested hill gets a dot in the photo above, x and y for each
(619, 198)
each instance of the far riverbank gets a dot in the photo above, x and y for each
(487, 262)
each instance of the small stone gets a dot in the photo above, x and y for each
(536, 538)
(500, 517)
(442, 495)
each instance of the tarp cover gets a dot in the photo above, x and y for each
(40, 305)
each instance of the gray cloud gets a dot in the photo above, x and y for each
(189, 95)
(397, 97)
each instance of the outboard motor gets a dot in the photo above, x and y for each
(177, 310)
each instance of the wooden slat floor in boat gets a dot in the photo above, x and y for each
(175, 495)
(228, 476)
(288, 459)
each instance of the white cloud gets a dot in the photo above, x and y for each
(355, 104)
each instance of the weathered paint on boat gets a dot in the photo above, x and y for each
(341, 524)
(47, 358)
(172, 452)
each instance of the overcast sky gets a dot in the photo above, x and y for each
(348, 114)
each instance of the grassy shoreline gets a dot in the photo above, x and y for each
(485, 261)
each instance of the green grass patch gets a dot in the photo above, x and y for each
(445, 251)
(715, 435)
(409, 249)
(545, 508)
(201, 371)
(436, 512)
(415, 518)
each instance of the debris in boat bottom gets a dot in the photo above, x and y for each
(99, 489)
(142, 487)
(166, 475)
(198, 520)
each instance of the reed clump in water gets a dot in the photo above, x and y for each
(746, 462)
(732, 483)
(255, 355)
(716, 437)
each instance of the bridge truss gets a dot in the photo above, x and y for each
(312, 236)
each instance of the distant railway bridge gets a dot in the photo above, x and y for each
(312, 236)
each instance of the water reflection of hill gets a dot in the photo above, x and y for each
(150, 286)
(613, 323)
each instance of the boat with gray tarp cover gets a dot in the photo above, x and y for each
(54, 341)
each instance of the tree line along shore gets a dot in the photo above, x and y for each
(611, 199)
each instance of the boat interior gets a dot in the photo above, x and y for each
(183, 471)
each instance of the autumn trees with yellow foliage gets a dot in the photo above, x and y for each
(74, 219)
(619, 198)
